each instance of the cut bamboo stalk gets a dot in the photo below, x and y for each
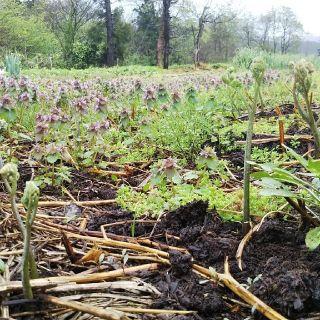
(10, 286)
(121, 244)
(273, 138)
(109, 314)
(53, 204)
(153, 311)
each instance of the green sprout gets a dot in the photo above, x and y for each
(10, 176)
(258, 69)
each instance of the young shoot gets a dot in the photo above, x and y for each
(258, 69)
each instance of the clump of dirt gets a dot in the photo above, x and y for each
(121, 222)
(182, 289)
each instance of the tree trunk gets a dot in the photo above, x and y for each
(160, 43)
(166, 33)
(110, 41)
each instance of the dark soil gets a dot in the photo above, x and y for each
(286, 108)
(285, 274)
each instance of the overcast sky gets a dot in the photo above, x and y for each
(307, 11)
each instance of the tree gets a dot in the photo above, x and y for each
(166, 32)
(111, 58)
(24, 30)
(249, 31)
(290, 29)
(147, 31)
(67, 17)
(265, 24)
(197, 33)
(214, 18)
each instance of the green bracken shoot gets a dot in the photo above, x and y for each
(258, 69)
(302, 72)
(10, 176)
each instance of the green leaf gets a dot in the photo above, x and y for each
(53, 158)
(301, 159)
(270, 183)
(313, 238)
(268, 192)
(314, 166)
(24, 137)
(176, 178)
(2, 266)
(146, 187)
(190, 175)
(259, 175)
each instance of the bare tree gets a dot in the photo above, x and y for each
(220, 16)
(290, 28)
(249, 31)
(67, 17)
(197, 33)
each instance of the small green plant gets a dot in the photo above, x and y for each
(10, 176)
(12, 64)
(258, 69)
(300, 189)
(302, 72)
(233, 91)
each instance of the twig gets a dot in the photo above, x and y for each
(109, 314)
(153, 311)
(240, 291)
(10, 286)
(53, 204)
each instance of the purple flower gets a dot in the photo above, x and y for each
(7, 102)
(81, 105)
(168, 164)
(176, 97)
(100, 103)
(25, 98)
(105, 125)
(76, 85)
(94, 128)
(149, 95)
(125, 113)
(41, 129)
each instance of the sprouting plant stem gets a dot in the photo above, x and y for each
(261, 100)
(247, 158)
(53, 174)
(30, 258)
(313, 127)
(307, 115)
(27, 290)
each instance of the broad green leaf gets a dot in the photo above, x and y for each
(53, 158)
(270, 183)
(301, 159)
(313, 238)
(24, 136)
(314, 166)
(190, 175)
(268, 192)
(212, 164)
(177, 178)
(259, 175)
(264, 166)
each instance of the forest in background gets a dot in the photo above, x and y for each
(85, 33)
